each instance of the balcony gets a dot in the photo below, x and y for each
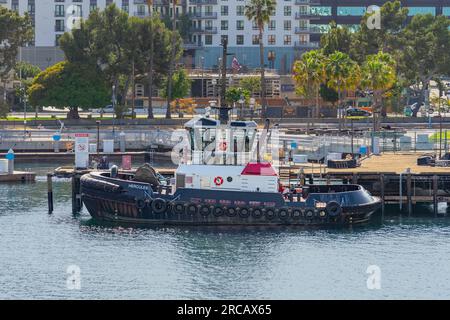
(202, 2)
(203, 15)
(306, 45)
(140, 14)
(192, 45)
(307, 15)
(59, 28)
(207, 30)
(307, 30)
(307, 2)
(60, 14)
(140, 1)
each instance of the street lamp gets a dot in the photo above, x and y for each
(98, 136)
(113, 100)
(202, 59)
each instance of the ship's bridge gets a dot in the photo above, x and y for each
(214, 143)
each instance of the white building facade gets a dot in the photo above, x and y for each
(285, 37)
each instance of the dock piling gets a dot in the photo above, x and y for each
(382, 195)
(76, 198)
(50, 192)
(435, 191)
(409, 190)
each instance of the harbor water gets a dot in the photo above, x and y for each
(38, 253)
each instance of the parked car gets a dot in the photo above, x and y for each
(357, 112)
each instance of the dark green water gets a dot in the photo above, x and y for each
(36, 249)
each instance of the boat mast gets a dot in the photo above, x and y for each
(224, 109)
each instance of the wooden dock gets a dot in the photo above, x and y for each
(18, 176)
(394, 177)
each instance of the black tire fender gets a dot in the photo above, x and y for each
(244, 212)
(158, 205)
(270, 213)
(205, 210)
(257, 212)
(333, 209)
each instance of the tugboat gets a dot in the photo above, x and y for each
(221, 183)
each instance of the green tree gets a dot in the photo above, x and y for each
(338, 38)
(4, 109)
(343, 74)
(379, 75)
(69, 85)
(234, 94)
(328, 94)
(15, 31)
(309, 74)
(181, 85)
(388, 38)
(251, 84)
(259, 12)
(426, 54)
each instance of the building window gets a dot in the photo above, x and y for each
(224, 10)
(271, 39)
(287, 39)
(223, 37)
(239, 24)
(412, 11)
(240, 10)
(57, 39)
(287, 24)
(208, 39)
(351, 11)
(239, 39)
(255, 39)
(272, 25)
(59, 25)
(446, 11)
(59, 10)
(254, 25)
(287, 11)
(224, 25)
(319, 10)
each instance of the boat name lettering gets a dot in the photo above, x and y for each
(224, 201)
(239, 203)
(254, 203)
(196, 200)
(211, 201)
(138, 186)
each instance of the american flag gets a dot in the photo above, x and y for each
(235, 64)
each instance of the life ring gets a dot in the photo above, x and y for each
(218, 211)
(223, 146)
(283, 214)
(257, 212)
(218, 181)
(244, 212)
(192, 209)
(205, 210)
(296, 213)
(159, 205)
(333, 208)
(270, 213)
(179, 208)
(231, 211)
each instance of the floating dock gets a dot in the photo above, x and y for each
(18, 176)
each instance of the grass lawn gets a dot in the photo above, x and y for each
(435, 136)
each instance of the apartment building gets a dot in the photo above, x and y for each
(296, 26)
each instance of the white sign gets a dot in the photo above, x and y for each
(81, 150)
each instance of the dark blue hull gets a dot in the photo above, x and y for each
(122, 200)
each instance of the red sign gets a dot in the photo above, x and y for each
(81, 135)
(126, 162)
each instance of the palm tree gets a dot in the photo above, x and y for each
(172, 58)
(259, 11)
(342, 73)
(379, 75)
(150, 67)
(309, 74)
